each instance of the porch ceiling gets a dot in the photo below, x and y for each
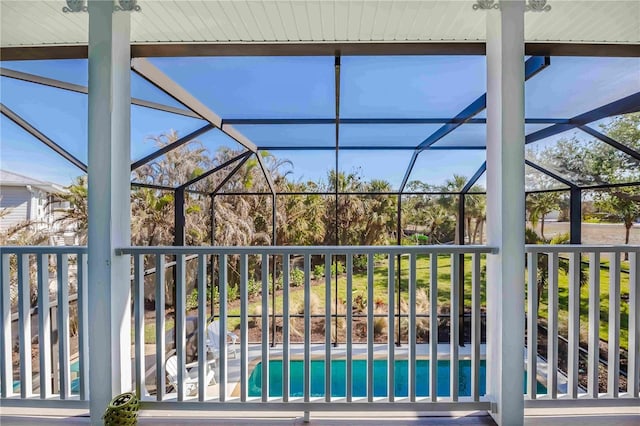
(192, 23)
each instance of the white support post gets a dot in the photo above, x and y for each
(109, 206)
(505, 211)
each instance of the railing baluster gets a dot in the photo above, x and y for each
(6, 375)
(203, 363)
(349, 348)
(265, 327)
(412, 328)
(370, 327)
(160, 324)
(63, 324)
(24, 321)
(286, 259)
(552, 332)
(574, 323)
(433, 327)
(532, 324)
(613, 374)
(138, 307)
(594, 323)
(391, 349)
(307, 328)
(327, 327)
(222, 351)
(454, 318)
(181, 328)
(44, 324)
(475, 326)
(633, 386)
(83, 324)
(244, 326)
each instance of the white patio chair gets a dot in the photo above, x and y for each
(190, 374)
(213, 341)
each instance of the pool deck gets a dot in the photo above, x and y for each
(614, 416)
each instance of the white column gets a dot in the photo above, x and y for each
(109, 206)
(505, 211)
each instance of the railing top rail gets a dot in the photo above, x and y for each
(580, 248)
(301, 250)
(43, 249)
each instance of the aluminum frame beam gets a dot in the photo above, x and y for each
(380, 120)
(550, 173)
(266, 173)
(532, 66)
(188, 138)
(367, 148)
(610, 141)
(229, 176)
(625, 105)
(29, 128)
(212, 171)
(474, 178)
(152, 74)
(77, 88)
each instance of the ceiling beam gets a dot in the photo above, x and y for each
(19, 53)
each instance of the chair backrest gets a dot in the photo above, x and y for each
(213, 335)
(171, 367)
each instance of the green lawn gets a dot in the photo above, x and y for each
(444, 287)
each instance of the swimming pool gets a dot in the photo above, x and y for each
(75, 381)
(359, 374)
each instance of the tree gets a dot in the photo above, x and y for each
(603, 164)
(539, 205)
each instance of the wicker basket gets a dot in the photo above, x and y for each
(122, 410)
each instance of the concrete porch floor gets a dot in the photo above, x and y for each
(614, 416)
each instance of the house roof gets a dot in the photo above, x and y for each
(190, 28)
(8, 178)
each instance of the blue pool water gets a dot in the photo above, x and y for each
(75, 383)
(359, 374)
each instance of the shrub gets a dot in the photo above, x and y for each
(337, 268)
(296, 277)
(192, 300)
(561, 239)
(360, 263)
(233, 293)
(254, 287)
(318, 272)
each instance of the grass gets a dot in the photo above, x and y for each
(150, 331)
(444, 287)
(563, 300)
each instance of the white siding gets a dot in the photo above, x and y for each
(17, 200)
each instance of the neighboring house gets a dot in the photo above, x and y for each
(27, 200)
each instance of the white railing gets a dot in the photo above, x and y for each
(42, 371)
(46, 370)
(236, 378)
(581, 275)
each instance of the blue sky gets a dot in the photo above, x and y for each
(303, 87)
